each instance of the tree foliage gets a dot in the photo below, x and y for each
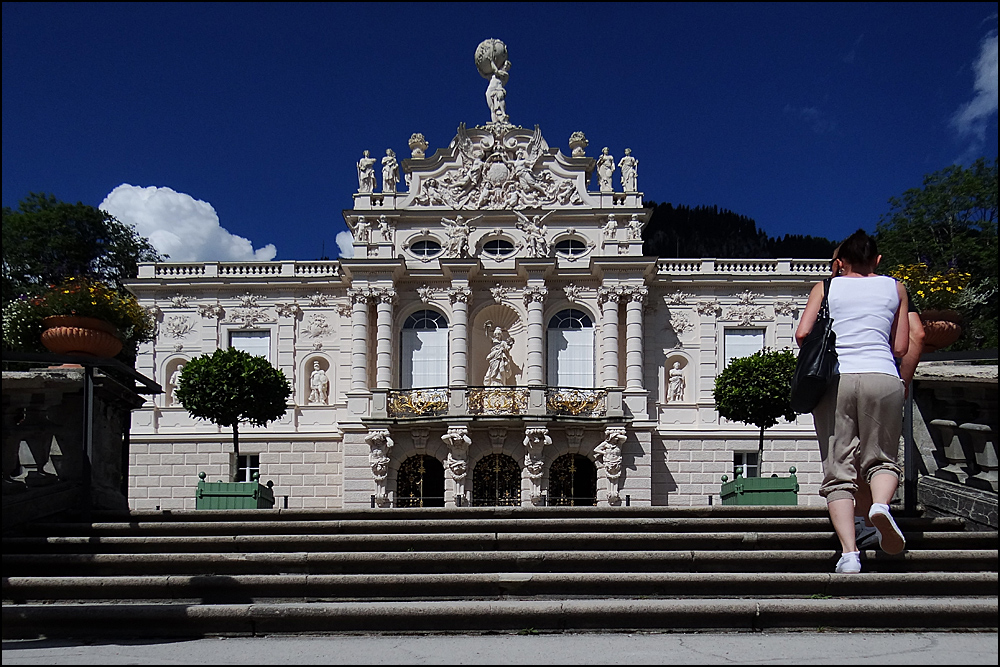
(757, 390)
(950, 224)
(230, 387)
(46, 240)
(707, 231)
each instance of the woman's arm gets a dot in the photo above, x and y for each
(810, 313)
(899, 335)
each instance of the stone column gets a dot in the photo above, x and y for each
(608, 297)
(385, 298)
(633, 337)
(460, 298)
(359, 339)
(534, 299)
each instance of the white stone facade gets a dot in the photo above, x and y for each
(494, 255)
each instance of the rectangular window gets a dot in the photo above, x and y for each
(742, 343)
(748, 461)
(571, 357)
(246, 466)
(257, 343)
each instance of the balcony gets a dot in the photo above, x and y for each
(523, 401)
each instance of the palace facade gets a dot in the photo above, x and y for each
(498, 338)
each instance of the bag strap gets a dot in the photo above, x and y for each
(824, 307)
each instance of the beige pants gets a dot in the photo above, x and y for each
(858, 423)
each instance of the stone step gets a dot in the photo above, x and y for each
(458, 562)
(268, 588)
(461, 525)
(747, 614)
(624, 541)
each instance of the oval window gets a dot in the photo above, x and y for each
(425, 248)
(498, 248)
(571, 247)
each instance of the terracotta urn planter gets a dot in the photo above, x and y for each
(71, 334)
(941, 328)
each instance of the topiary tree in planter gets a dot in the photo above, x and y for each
(231, 386)
(757, 390)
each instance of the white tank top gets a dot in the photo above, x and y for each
(862, 310)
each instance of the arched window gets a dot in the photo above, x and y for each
(571, 349)
(424, 350)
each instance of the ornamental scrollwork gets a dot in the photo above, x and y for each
(208, 310)
(418, 402)
(178, 326)
(316, 326)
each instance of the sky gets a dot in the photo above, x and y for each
(231, 131)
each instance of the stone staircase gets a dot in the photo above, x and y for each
(194, 573)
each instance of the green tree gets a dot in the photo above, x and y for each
(951, 223)
(757, 390)
(230, 387)
(46, 240)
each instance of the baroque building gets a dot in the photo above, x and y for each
(498, 338)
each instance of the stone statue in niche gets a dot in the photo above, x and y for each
(610, 227)
(535, 233)
(629, 167)
(500, 370)
(492, 63)
(385, 228)
(390, 171)
(175, 380)
(366, 174)
(605, 170)
(362, 230)
(319, 385)
(458, 231)
(676, 384)
(635, 228)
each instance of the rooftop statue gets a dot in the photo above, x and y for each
(366, 174)
(492, 63)
(630, 167)
(605, 170)
(390, 171)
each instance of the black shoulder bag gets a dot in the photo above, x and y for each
(817, 360)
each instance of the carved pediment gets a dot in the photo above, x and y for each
(497, 167)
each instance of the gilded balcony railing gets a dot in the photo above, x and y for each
(427, 402)
(576, 402)
(498, 400)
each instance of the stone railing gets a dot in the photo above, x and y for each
(954, 434)
(189, 270)
(65, 432)
(764, 267)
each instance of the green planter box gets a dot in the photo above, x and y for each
(234, 495)
(771, 490)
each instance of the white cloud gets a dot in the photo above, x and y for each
(345, 241)
(972, 118)
(178, 225)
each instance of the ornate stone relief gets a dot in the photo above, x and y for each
(316, 326)
(610, 453)
(578, 144)
(498, 434)
(785, 307)
(419, 435)
(292, 309)
(574, 436)
(535, 293)
(535, 233)
(343, 309)
(154, 311)
(496, 173)
(426, 294)
(535, 440)
(678, 298)
(249, 313)
(417, 145)
(709, 308)
(575, 292)
(380, 444)
(746, 311)
(615, 293)
(179, 301)
(500, 293)
(457, 231)
(680, 323)
(319, 300)
(208, 310)
(178, 326)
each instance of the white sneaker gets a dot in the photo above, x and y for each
(890, 537)
(849, 563)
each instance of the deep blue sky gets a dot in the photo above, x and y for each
(805, 117)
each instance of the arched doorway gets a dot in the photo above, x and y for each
(496, 480)
(420, 482)
(572, 481)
